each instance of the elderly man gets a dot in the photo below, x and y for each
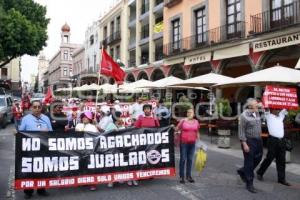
(36, 121)
(251, 142)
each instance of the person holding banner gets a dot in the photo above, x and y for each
(35, 122)
(189, 128)
(276, 145)
(87, 126)
(251, 142)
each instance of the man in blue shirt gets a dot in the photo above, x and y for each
(36, 121)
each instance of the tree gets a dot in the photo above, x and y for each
(23, 29)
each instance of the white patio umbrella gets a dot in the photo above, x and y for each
(108, 88)
(274, 75)
(187, 87)
(162, 83)
(134, 87)
(205, 80)
(84, 87)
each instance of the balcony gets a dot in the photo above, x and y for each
(145, 8)
(132, 23)
(277, 19)
(132, 45)
(159, 6)
(171, 3)
(104, 42)
(211, 37)
(4, 77)
(113, 38)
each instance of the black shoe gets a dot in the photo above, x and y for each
(182, 181)
(43, 194)
(284, 183)
(190, 180)
(27, 196)
(242, 175)
(259, 177)
(251, 189)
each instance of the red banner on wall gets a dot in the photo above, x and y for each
(280, 97)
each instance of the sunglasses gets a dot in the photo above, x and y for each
(37, 107)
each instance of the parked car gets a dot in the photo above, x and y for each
(37, 96)
(6, 115)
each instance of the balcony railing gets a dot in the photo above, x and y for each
(104, 42)
(275, 19)
(145, 32)
(211, 37)
(145, 8)
(170, 3)
(115, 37)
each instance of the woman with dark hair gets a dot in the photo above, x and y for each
(189, 128)
(117, 122)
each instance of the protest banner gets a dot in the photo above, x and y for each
(280, 97)
(59, 159)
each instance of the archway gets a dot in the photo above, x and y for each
(200, 69)
(235, 67)
(142, 75)
(130, 78)
(157, 74)
(111, 81)
(177, 71)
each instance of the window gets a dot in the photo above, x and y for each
(281, 10)
(105, 32)
(112, 27)
(233, 18)
(176, 34)
(112, 53)
(65, 71)
(95, 60)
(66, 39)
(118, 52)
(71, 71)
(91, 39)
(66, 55)
(145, 31)
(88, 63)
(145, 6)
(118, 24)
(4, 72)
(200, 23)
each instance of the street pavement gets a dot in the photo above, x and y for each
(217, 182)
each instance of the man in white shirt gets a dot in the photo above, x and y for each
(276, 145)
(137, 109)
(106, 119)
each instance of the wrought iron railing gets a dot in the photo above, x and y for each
(211, 37)
(275, 19)
(116, 36)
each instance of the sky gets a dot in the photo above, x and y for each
(79, 14)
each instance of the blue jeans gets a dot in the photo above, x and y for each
(17, 123)
(187, 152)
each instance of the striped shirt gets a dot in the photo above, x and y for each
(249, 125)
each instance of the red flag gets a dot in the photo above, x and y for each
(110, 68)
(49, 97)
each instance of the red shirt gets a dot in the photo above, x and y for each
(146, 122)
(17, 112)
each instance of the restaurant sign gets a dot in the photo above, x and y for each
(278, 42)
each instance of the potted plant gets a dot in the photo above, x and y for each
(223, 109)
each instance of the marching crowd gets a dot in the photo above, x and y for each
(109, 117)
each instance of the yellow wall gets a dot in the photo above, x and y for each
(252, 7)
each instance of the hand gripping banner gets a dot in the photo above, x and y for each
(60, 159)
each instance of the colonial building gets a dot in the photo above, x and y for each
(10, 75)
(90, 67)
(43, 65)
(132, 34)
(79, 67)
(230, 37)
(61, 64)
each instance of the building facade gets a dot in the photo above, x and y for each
(79, 67)
(43, 65)
(61, 65)
(10, 75)
(230, 37)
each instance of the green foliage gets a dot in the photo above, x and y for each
(23, 29)
(223, 107)
(290, 118)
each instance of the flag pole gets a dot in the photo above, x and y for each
(99, 74)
